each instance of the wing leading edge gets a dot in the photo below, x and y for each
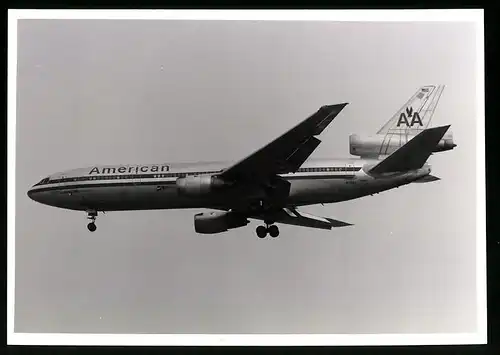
(286, 153)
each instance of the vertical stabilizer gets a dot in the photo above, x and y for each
(416, 114)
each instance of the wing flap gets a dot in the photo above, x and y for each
(295, 217)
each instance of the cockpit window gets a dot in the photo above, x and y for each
(44, 181)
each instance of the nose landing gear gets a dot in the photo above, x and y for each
(91, 227)
(270, 228)
(91, 215)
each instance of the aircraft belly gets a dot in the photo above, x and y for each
(315, 190)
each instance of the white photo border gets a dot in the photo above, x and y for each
(480, 337)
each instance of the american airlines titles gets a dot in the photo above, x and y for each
(130, 169)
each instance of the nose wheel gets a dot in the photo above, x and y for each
(91, 216)
(91, 227)
(272, 230)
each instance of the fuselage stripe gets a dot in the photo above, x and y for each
(104, 184)
(184, 174)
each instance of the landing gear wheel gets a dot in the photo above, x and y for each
(273, 231)
(261, 231)
(91, 216)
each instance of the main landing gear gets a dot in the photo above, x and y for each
(91, 215)
(269, 228)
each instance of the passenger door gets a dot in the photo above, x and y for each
(349, 170)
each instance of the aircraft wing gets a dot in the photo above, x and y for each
(295, 217)
(286, 153)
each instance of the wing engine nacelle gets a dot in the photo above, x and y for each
(373, 146)
(217, 222)
(199, 185)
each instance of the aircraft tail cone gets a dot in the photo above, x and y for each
(428, 178)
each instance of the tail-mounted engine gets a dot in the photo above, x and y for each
(385, 144)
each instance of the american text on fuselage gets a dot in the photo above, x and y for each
(129, 169)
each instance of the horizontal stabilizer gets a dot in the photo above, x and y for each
(427, 178)
(413, 154)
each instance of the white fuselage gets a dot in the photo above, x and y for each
(154, 186)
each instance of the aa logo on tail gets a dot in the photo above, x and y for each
(415, 118)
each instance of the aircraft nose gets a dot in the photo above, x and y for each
(36, 195)
(32, 194)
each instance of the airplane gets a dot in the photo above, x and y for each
(269, 185)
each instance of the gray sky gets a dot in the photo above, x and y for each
(111, 92)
